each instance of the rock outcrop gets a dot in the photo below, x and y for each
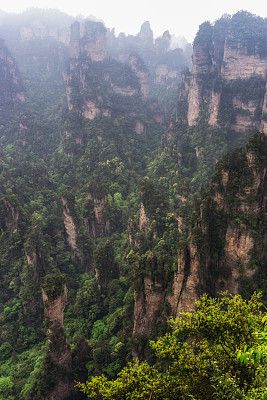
(71, 232)
(229, 73)
(9, 216)
(54, 293)
(94, 81)
(11, 91)
(142, 74)
(226, 246)
(98, 226)
(148, 298)
(36, 24)
(228, 241)
(143, 220)
(39, 31)
(93, 42)
(166, 75)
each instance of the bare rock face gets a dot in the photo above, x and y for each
(54, 293)
(54, 312)
(221, 58)
(194, 101)
(238, 247)
(237, 63)
(10, 216)
(92, 47)
(226, 246)
(146, 305)
(142, 74)
(94, 40)
(240, 233)
(75, 40)
(91, 110)
(140, 128)
(71, 232)
(146, 34)
(11, 92)
(213, 109)
(37, 30)
(99, 226)
(125, 91)
(148, 302)
(185, 284)
(143, 220)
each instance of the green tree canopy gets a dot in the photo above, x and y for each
(199, 359)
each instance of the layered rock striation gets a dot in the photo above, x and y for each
(228, 82)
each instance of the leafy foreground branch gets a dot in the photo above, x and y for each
(217, 352)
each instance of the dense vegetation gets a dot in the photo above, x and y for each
(217, 351)
(72, 190)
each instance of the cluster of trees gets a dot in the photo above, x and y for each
(219, 351)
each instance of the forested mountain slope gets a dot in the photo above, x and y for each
(98, 219)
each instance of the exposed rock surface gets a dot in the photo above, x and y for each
(92, 43)
(94, 40)
(75, 38)
(141, 73)
(219, 59)
(146, 305)
(224, 243)
(39, 31)
(143, 220)
(148, 302)
(58, 348)
(241, 238)
(88, 62)
(125, 91)
(71, 232)
(140, 128)
(36, 24)
(99, 225)
(11, 92)
(10, 216)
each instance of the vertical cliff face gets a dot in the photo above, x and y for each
(36, 24)
(9, 216)
(229, 73)
(187, 280)
(94, 40)
(71, 232)
(227, 243)
(11, 92)
(142, 74)
(54, 313)
(93, 81)
(91, 44)
(98, 225)
(75, 40)
(226, 246)
(143, 220)
(149, 298)
(54, 293)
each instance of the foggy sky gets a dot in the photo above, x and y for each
(181, 18)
